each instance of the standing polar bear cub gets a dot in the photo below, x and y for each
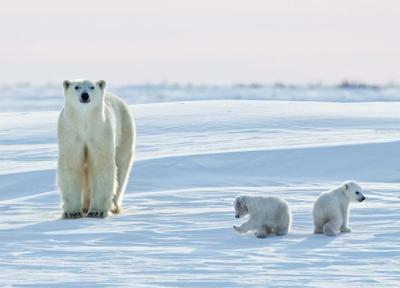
(331, 209)
(96, 139)
(267, 215)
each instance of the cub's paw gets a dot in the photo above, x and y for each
(329, 233)
(72, 215)
(97, 214)
(281, 233)
(238, 229)
(260, 235)
(318, 230)
(345, 229)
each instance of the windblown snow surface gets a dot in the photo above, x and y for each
(192, 159)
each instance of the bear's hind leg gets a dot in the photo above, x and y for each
(269, 230)
(86, 191)
(318, 229)
(332, 226)
(124, 164)
(281, 231)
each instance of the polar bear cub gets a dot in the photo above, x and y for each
(266, 215)
(96, 139)
(331, 209)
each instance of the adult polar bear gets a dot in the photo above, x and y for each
(96, 140)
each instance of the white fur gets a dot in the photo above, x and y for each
(266, 215)
(96, 144)
(331, 209)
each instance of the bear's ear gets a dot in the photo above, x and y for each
(346, 186)
(101, 84)
(238, 202)
(66, 84)
(242, 203)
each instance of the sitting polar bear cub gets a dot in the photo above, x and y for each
(267, 215)
(96, 139)
(331, 209)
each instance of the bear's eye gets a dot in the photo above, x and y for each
(91, 87)
(76, 87)
(357, 192)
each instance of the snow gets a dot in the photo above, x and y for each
(192, 159)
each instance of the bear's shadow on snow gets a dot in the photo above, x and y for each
(311, 242)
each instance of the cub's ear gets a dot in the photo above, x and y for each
(241, 202)
(237, 203)
(66, 84)
(346, 186)
(101, 83)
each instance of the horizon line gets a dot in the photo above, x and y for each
(345, 83)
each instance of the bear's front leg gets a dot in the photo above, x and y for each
(261, 233)
(104, 185)
(247, 226)
(344, 227)
(69, 181)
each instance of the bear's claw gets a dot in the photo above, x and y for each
(72, 215)
(94, 214)
(238, 229)
(260, 235)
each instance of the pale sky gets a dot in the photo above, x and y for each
(204, 41)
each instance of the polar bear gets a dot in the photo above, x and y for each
(96, 140)
(267, 215)
(331, 209)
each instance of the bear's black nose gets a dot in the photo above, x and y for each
(236, 216)
(84, 97)
(362, 199)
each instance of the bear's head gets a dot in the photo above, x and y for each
(84, 93)
(353, 191)
(240, 207)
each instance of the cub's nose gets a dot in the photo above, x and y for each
(237, 216)
(85, 97)
(362, 199)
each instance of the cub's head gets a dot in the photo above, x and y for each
(240, 207)
(353, 191)
(84, 93)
